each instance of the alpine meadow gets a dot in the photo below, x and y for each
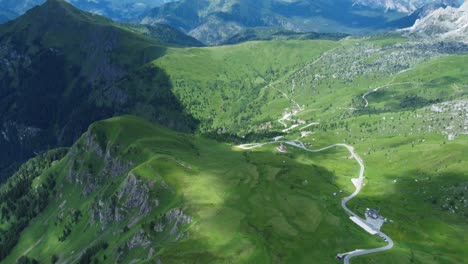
(234, 131)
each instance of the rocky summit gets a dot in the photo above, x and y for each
(449, 23)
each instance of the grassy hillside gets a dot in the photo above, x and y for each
(412, 134)
(218, 85)
(413, 139)
(23, 199)
(130, 190)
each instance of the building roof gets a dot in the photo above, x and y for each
(373, 213)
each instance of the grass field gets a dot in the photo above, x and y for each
(218, 85)
(261, 206)
(253, 207)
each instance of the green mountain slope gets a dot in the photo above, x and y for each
(62, 69)
(219, 86)
(166, 34)
(391, 98)
(129, 190)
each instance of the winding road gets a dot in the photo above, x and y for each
(387, 85)
(382, 87)
(358, 183)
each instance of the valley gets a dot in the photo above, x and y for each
(149, 147)
(386, 134)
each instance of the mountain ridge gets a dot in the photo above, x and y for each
(448, 23)
(121, 10)
(214, 22)
(72, 65)
(405, 6)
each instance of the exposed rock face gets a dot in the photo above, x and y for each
(106, 212)
(214, 22)
(177, 219)
(404, 6)
(89, 177)
(139, 239)
(224, 29)
(135, 194)
(113, 167)
(444, 23)
(173, 221)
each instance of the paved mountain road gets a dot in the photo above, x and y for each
(358, 183)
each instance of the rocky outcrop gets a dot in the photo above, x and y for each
(444, 23)
(139, 239)
(91, 178)
(403, 6)
(173, 222)
(106, 212)
(135, 194)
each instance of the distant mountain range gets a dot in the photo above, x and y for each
(217, 22)
(445, 23)
(6, 15)
(404, 6)
(213, 22)
(121, 10)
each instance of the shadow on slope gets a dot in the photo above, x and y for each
(62, 69)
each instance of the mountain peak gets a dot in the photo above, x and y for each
(444, 23)
(404, 6)
(464, 6)
(54, 4)
(57, 13)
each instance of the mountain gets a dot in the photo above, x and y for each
(445, 23)
(166, 34)
(62, 68)
(122, 10)
(271, 33)
(213, 22)
(18, 7)
(404, 6)
(130, 190)
(258, 152)
(6, 15)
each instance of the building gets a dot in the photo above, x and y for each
(372, 213)
(374, 219)
(282, 149)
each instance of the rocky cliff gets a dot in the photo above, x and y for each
(444, 23)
